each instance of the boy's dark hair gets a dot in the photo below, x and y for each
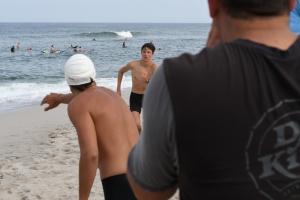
(83, 86)
(149, 45)
(255, 8)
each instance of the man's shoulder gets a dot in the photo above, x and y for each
(153, 64)
(99, 93)
(179, 60)
(134, 63)
(141, 63)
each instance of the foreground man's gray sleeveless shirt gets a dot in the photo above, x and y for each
(223, 124)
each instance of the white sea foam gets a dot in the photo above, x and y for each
(17, 95)
(27, 76)
(126, 34)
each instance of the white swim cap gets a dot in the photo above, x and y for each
(79, 69)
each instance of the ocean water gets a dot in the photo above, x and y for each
(27, 76)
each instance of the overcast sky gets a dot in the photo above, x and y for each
(111, 11)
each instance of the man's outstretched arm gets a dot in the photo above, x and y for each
(54, 99)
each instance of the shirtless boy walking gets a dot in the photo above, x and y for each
(141, 73)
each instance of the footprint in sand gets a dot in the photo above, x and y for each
(57, 171)
(73, 161)
(62, 162)
(52, 135)
(34, 168)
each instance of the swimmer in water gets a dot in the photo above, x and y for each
(13, 49)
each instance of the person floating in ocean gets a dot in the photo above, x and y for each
(141, 72)
(73, 47)
(105, 127)
(78, 49)
(18, 45)
(52, 50)
(125, 40)
(13, 49)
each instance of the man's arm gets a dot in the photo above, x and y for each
(120, 76)
(54, 99)
(155, 67)
(153, 163)
(141, 193)
(87, 138)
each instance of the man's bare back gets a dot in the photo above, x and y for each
(105, 128)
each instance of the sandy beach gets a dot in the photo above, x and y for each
(39, 156)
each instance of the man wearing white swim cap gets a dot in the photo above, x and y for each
(105, 127)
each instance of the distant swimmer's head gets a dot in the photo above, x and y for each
(149, 45)
(80, 72)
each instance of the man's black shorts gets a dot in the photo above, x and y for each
(117, 188)
(135, 101)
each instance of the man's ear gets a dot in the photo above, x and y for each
(292, 4)
(213, 6)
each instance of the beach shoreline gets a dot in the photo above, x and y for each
(40, 155)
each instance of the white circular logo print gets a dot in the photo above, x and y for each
(272, 152)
